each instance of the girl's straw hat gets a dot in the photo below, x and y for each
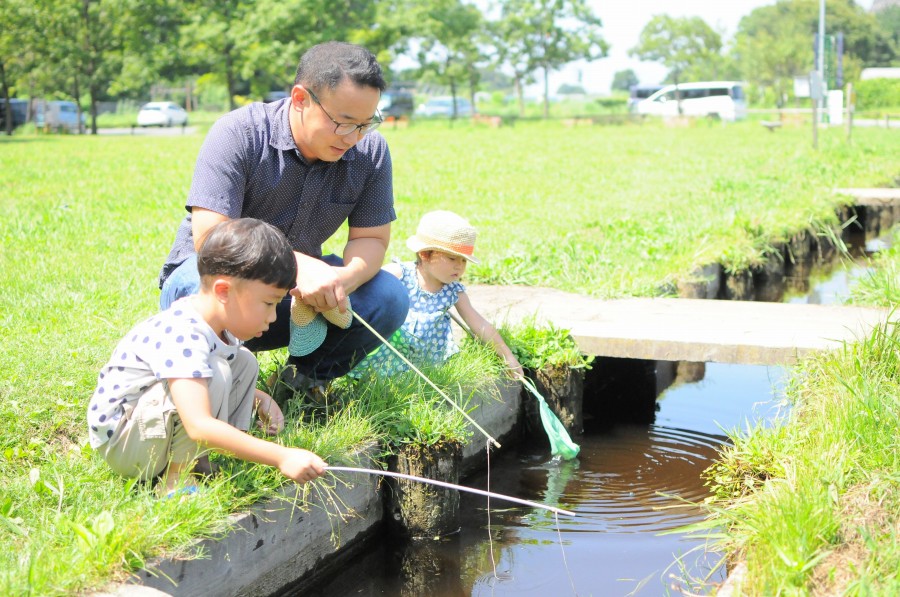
(444, 231)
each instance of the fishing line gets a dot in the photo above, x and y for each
(425, 377)
(490, 537)
(508, 498)
(490, 440)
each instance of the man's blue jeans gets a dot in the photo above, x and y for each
(382, 302)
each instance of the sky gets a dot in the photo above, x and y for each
(623, 21)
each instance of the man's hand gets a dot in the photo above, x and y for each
(319, 285)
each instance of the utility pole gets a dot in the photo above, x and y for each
(819, 99)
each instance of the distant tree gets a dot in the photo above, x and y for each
(547, 35)
(774, 43)
(448, 33)
(624, 80)
(15, 43)
(681, 44)
(889, 21)
(570, 89)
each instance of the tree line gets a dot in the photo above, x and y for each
(101, 50)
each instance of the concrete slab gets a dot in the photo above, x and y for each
(496, 414)
(274, 544)
(683, 329)
(875, 197)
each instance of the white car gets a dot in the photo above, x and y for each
(162, 114)
(724, 99)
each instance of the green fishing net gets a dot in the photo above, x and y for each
(560, 443)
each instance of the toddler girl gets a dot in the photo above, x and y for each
(444, 243)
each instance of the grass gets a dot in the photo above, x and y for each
(813, 506)
(87, 221)
(536, 347)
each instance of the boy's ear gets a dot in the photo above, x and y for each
(222, 289)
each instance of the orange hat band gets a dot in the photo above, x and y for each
(464, 249)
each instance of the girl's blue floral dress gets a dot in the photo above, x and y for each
(425, 336)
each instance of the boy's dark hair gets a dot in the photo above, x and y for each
(248, 249)
(326, 65)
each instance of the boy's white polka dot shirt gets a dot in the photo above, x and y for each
(174, 344)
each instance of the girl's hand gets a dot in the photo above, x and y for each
(271, 419)
(515, 369)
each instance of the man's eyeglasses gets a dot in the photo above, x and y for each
(343, 129)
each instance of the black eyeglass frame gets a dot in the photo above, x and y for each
(362, 128)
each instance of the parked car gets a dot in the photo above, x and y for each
(18, 109)
(443, 106)
(58, 115)
(724, 99)
(396, 103)
(636, 93)
(162, 114)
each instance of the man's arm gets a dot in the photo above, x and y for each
(364, 254)
(325, 287)
(202, 220)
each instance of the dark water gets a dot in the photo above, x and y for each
(628, 485)
(631, 487)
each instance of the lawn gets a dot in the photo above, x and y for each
(609, 211)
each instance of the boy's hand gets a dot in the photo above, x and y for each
(301, 465)
(271, 419)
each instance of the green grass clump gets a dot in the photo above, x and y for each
(538, 346)
(812, 505)
(880, 286)
(407, 410)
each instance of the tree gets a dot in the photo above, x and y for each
(448, 34)
(681, 44)
(775, 43)
(14, 55)
(547, 35)
(570, 89)
(624, 80)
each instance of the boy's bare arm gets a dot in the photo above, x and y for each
(191, 399)
(483, 330)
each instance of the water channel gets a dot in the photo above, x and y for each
(631, 486)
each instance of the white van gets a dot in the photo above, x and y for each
(58, 115)
(724, 99)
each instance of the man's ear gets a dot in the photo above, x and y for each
(298, 97)
(223, 289)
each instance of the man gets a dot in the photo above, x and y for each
(306, 164)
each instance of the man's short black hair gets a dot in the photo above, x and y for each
(248, 249)
(326, 65)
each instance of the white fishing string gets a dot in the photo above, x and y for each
(425, 377)
(565, 561)
(508, 498)
(489, 530)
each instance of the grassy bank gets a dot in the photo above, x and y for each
(87, 221)
(813, 506)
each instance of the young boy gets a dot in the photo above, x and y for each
(180, 382)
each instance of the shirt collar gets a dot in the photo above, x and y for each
(282, 138)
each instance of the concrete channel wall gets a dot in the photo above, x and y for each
(277, 544)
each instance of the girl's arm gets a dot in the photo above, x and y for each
(485, 332)
(393, 268)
